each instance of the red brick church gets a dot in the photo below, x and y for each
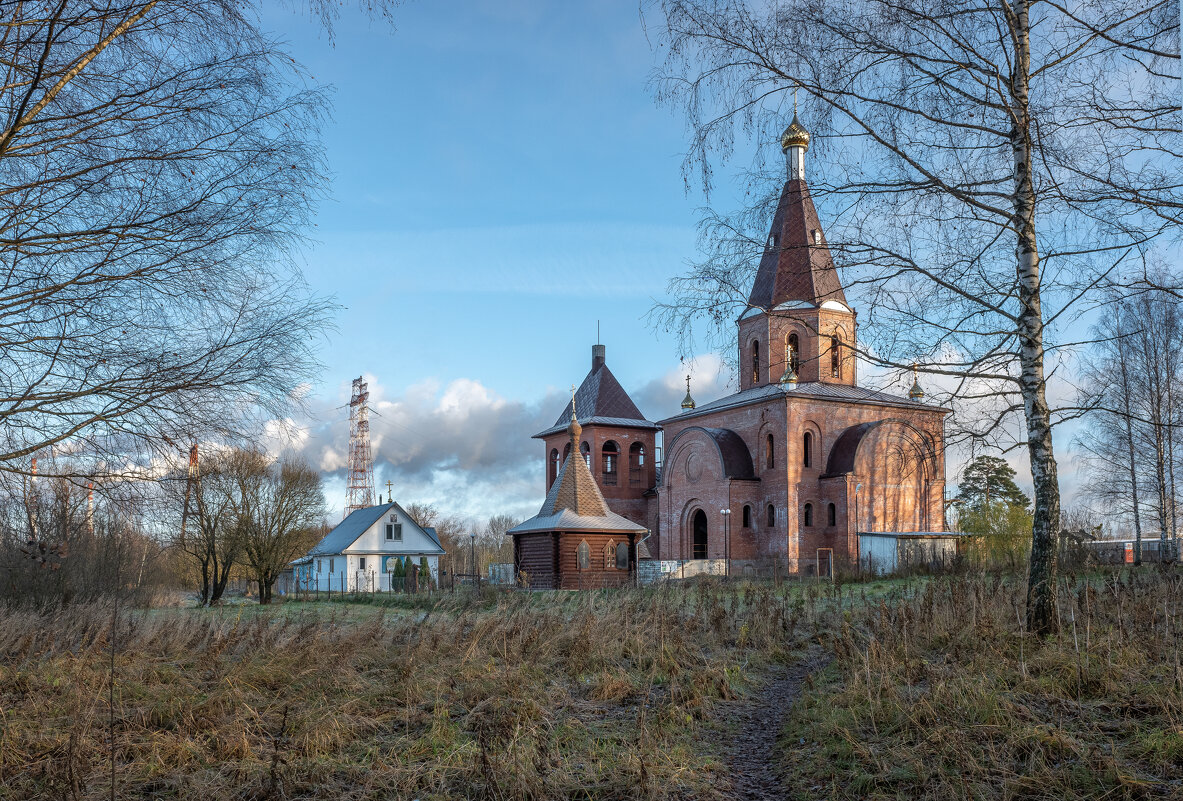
(784, 472)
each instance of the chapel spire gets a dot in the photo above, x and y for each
(796, 266)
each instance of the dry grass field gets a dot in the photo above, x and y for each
(934, 692)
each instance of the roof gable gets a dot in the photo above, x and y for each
(360, 521)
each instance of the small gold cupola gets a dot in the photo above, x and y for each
(916, 392)
(687, 402)
(794, 136)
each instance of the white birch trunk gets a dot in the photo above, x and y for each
(1045, 533)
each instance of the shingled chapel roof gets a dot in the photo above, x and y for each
(796, 265)
(575, 502)
(600, 400)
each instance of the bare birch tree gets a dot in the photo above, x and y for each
(1131, 391)
(159, 163)
(986, 165)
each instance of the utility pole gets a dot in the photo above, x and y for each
(359, 486)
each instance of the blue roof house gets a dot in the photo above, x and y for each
(361, 553)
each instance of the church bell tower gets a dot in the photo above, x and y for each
(797, 327)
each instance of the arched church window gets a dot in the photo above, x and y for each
(583, 556)
(636, 464)
(794, 348)
(609, 555)
(747, 517)
(622, 556)
(771, 515)
(770, 452)
(566, 451)
(835, 357)
(807, 449)
(756, 361)
(609, 456)
(585, 449)
(554, 464)
(808, 514)
(833, 515)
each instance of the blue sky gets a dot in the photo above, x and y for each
(502, 180)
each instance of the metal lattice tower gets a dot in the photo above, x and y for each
(359, 491)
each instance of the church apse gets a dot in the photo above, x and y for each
(895, 475)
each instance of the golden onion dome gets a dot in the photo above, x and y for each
(794, 136)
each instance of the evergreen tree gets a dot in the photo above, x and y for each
(988, 480)
(424, 573)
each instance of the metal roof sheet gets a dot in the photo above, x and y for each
(813, 389)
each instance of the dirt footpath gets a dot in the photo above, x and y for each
(751, 753)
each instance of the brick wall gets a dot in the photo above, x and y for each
(900, 466)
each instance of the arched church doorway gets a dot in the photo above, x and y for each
(700, 534)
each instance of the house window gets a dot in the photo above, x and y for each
(771, 515)
(361, 563)
(583, 556)
(756, 362)
(394, 531)
(330, 565)
(794, 353)
(609, 554)
(833, 515)
(622, 556)
(609, 457)
(319, 566)
(554, 464)
(807, 449)
(585, 449)
(835, 357)
(808, 514)
(747, 517)
(770, 452)
(636, 464)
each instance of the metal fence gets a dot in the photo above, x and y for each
(351, 583)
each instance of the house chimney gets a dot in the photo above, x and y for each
(597, 357)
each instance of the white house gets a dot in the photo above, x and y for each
(361, 553)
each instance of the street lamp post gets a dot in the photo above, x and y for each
(726, 540)
(472, 553)
(857, 487)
